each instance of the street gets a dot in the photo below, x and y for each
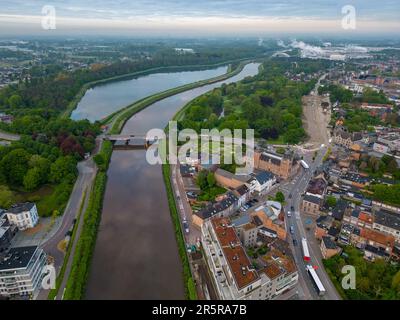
(296, 188)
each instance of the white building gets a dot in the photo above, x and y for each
(264, 181)
(23, 215)
(387, 222)
(21, 272)
(234, 275)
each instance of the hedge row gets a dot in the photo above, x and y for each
(53, 292)
(76, 283)
(190, 290)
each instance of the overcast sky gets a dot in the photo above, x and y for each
(191, 17)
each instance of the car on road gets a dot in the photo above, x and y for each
(292, 208)
(295, 242)
(289, 214)
(191, 194)
(291, 229)
(185, 226)
(290, 196)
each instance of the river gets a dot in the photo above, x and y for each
(136, 255)
(102, 100)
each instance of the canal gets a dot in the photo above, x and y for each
(102, 100)
(136, 255)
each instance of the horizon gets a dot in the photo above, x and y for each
(179, 18)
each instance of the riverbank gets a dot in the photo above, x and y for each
(77, 279)
(117, 120)
(73, 104)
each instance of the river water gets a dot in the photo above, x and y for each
(136, 255)
(102, 100)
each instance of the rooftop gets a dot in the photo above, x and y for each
(387, 219)
(264, 176)
(378, 237)
(17, 258)
(238, 262)
(21, 207)
(329, 243)
(312, 199)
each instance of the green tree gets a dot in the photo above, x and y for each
(63, 167)
(331, 201)
(6, 197)
(280, 197)
(15, 165)
(211, 180)
(32, 179)
(202, 179)
(15, 101)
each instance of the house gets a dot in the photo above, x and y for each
(242, 193)
(229, 180)
(317, 187)
(355, 179)
(343, 138)
(328, 247)
(225, 206)
(340, 209)
(310, 205)
(7, 232)
(264, 181)
(322, 225)
(387, 222)
(21, 271)
(23, 215)
(272, 217)
(283, 166)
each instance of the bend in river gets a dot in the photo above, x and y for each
(136, 255)
(102, 100)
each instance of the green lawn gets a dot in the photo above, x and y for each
(48, 198)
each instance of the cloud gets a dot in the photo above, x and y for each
(243, 16)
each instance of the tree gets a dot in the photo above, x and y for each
(15, 165)
(6, 196)
(202, 179)
(15, 101)
(211, 180)
(42, 165)
(331, 201)
(32, 179)
(62, 168)
(280, 197)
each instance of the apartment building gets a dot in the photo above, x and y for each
(233, 272)
(23, 215)
(21, 272)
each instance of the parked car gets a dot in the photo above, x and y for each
(292, 208)
(290, 196)
(294, 242)
(185, 226)
(291, 229)
(289, 214)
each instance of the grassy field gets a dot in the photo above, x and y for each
(48, 198)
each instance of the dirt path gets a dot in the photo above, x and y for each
(315, 119)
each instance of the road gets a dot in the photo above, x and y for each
(85, 179)
(296, 188)
(9, 136)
